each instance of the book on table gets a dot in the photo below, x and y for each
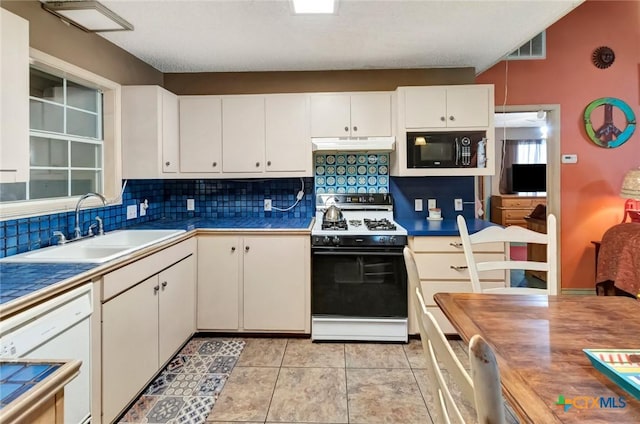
(622, 366)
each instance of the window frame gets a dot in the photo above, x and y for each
(112, 142)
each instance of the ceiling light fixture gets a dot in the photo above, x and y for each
(314, 6)
(89, 16)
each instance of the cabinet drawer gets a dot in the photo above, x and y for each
(128, 276)
(430, 288)
(516, 213)
(447, 244)
(438, 266)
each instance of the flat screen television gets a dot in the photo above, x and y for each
(530, 177)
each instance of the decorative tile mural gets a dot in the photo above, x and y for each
(351, 173)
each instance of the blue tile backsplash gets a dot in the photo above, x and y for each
(351, 173)
(167, 199)
(222, 199)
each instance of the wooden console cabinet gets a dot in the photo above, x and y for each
(510, 209)
(537, 252)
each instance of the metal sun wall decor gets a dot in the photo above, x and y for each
(608, 135)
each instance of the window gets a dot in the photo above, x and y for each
(536, 48)
(65, 136)
(74, 139)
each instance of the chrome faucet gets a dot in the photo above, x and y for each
(77, 232)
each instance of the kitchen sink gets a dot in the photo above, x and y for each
(97, 249)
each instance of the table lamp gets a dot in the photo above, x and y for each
(631, 191)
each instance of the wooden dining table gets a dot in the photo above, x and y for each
(538, 341)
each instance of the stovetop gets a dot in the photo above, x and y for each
(367, 220)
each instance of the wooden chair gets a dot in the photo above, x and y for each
(481, 389)
(511, 234)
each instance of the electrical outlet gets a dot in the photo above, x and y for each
(267, 205)
(191, 204)
(132, 212)
(143, 209)
(431, 203)
(417, 205)
(457, 204)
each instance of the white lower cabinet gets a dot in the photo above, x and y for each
(443, 269)
(144, 322)
(254, 283)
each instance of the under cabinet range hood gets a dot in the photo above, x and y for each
(353, 144)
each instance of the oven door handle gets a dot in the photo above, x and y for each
(355, 253)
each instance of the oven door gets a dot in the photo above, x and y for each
(359, 283)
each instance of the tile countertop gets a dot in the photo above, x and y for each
(446, 227)
(21, 279)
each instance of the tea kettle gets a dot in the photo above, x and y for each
(332, 214)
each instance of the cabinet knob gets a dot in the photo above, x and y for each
(442, 118)
(233, 248)
(257, 164)
(164, 284)
(458, 268)
(215, 164)
(155, 289)
(269, 163)
(167, 163)
(346, 129)
(355, 128)
(246, 248)
(452, 118)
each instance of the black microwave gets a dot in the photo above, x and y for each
(450, 149)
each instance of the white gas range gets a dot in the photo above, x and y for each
(359, 280)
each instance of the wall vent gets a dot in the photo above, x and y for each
(536, 48)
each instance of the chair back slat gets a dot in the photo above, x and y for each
(511, 234)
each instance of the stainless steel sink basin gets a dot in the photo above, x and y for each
(97, 249)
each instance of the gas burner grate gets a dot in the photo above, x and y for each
(379, 224)
(355, 222)
(335, 226)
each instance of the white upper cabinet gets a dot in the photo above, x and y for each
(14, 98)
(461, 106)
(351, 115)
(243, 134)
(201, 134)
(288, 146)
(150, 132)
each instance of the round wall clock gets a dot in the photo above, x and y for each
(608, 135)
(603, 57)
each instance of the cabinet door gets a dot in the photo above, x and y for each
(468, 106)
(371, 114)
(177, 305)
(170, 131)
(330, 115)
(200, 134)
(425, 107)
(243, 134)
(219, 263)
(288, 145)
(14, 101)
(275, 281)
(129, 345)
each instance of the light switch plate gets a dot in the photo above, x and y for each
(457, 204)
(191, 204)
(431, 203)
(132, 211)
(417, 205)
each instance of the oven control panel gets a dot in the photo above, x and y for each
(357, 241)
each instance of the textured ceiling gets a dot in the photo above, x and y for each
(264, 35)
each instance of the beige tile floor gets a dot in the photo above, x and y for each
(278, 380)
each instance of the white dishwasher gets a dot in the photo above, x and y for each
(57, 329)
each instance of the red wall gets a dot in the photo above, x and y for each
(590, 203)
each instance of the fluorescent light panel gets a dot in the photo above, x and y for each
(314, 6)
(89, 16)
